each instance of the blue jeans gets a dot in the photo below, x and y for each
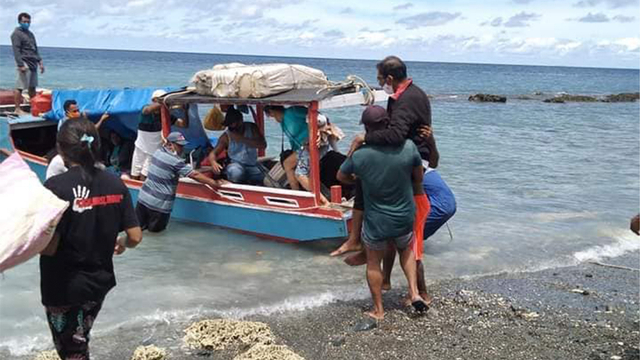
(443, 202)
(244, 174)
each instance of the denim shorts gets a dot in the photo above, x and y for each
(303, 167)
(401, 242)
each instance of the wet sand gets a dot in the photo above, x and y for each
(579, 312)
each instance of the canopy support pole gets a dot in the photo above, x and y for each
(313, 152)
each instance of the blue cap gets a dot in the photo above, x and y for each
(176, 137)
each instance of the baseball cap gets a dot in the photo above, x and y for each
(373, 114)
(176, 137)
(158, 93)
(232, 117)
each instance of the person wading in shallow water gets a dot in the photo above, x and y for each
(387, 174)
(76, 268)
(410, 118)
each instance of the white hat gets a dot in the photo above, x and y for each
(158, 93)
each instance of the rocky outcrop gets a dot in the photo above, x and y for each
(488, 98)
(571, 98)
(623, 97)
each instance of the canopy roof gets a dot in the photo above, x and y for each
(291, 97)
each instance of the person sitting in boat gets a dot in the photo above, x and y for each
(389, 206)
(156, 197)
(119, 156)
(72, 112)
(293, 121)
(241, 140)
(149, 138)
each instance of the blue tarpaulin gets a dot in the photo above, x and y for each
(124, 107)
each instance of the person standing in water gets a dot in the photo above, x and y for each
(76, 268)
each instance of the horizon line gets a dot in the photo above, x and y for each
(328, 58)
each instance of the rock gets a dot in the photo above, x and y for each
(338, 341)
(365, 325)
(580, 291)
(571, 98)
(588, 275)
(622, 97)
(488, 98)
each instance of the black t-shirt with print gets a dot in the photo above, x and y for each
(82, 268)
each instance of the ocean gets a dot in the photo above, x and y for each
(538, 186)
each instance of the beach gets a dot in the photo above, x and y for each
(586, 311)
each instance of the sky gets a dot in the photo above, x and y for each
(592, 33)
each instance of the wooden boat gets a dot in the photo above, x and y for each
(268, 212)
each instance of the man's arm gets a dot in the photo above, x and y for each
(104, 117)
(15, 44)
(346, 179)
(151, 108)
(426, 132)
(398, 130)
(222, 144)
(40, 63)
(132, 239)
(52, 247)
(256, 141)
(416, 178)
(197, 176)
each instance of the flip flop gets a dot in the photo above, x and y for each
(420, 306)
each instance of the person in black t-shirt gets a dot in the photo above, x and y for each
(76, 268)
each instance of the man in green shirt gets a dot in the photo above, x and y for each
(388, 175)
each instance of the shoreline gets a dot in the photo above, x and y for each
(584, 311)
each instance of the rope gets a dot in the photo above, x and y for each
(614, 266)
(261, 206)
(352, 81)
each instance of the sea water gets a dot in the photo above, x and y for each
(538, 185)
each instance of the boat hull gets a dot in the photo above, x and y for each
(195, 204)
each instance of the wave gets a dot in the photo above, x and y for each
(626, 242)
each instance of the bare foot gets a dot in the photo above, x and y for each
(386, 286)
(21, 112)
(357, 259)
(427, 298)
(376, 315)
(347, 246)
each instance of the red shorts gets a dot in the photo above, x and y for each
(422, 212)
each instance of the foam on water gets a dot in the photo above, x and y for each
(625, 242)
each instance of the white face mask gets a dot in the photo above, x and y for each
(388, 89)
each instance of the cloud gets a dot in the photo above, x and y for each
(624, 19)
(404, 6)
(346, 10)
(333, 33)
(521, 19)
(495, 22)
(434, 18)
(613, 4)
(522, 1)
(594, 18)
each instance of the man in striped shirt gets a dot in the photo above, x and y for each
(158, 192)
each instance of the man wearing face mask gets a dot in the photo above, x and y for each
(158, 192)
(25, 52)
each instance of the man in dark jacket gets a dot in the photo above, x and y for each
(25, 52)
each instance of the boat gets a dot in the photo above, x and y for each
(279, 214)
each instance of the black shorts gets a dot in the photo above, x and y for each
(151, 220)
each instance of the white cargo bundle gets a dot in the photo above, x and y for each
(256, 81)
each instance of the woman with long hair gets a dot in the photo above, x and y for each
(76, 268)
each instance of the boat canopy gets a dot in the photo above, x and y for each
(291, 97)
(124, 106)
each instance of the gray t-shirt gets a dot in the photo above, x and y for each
(387, 188)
